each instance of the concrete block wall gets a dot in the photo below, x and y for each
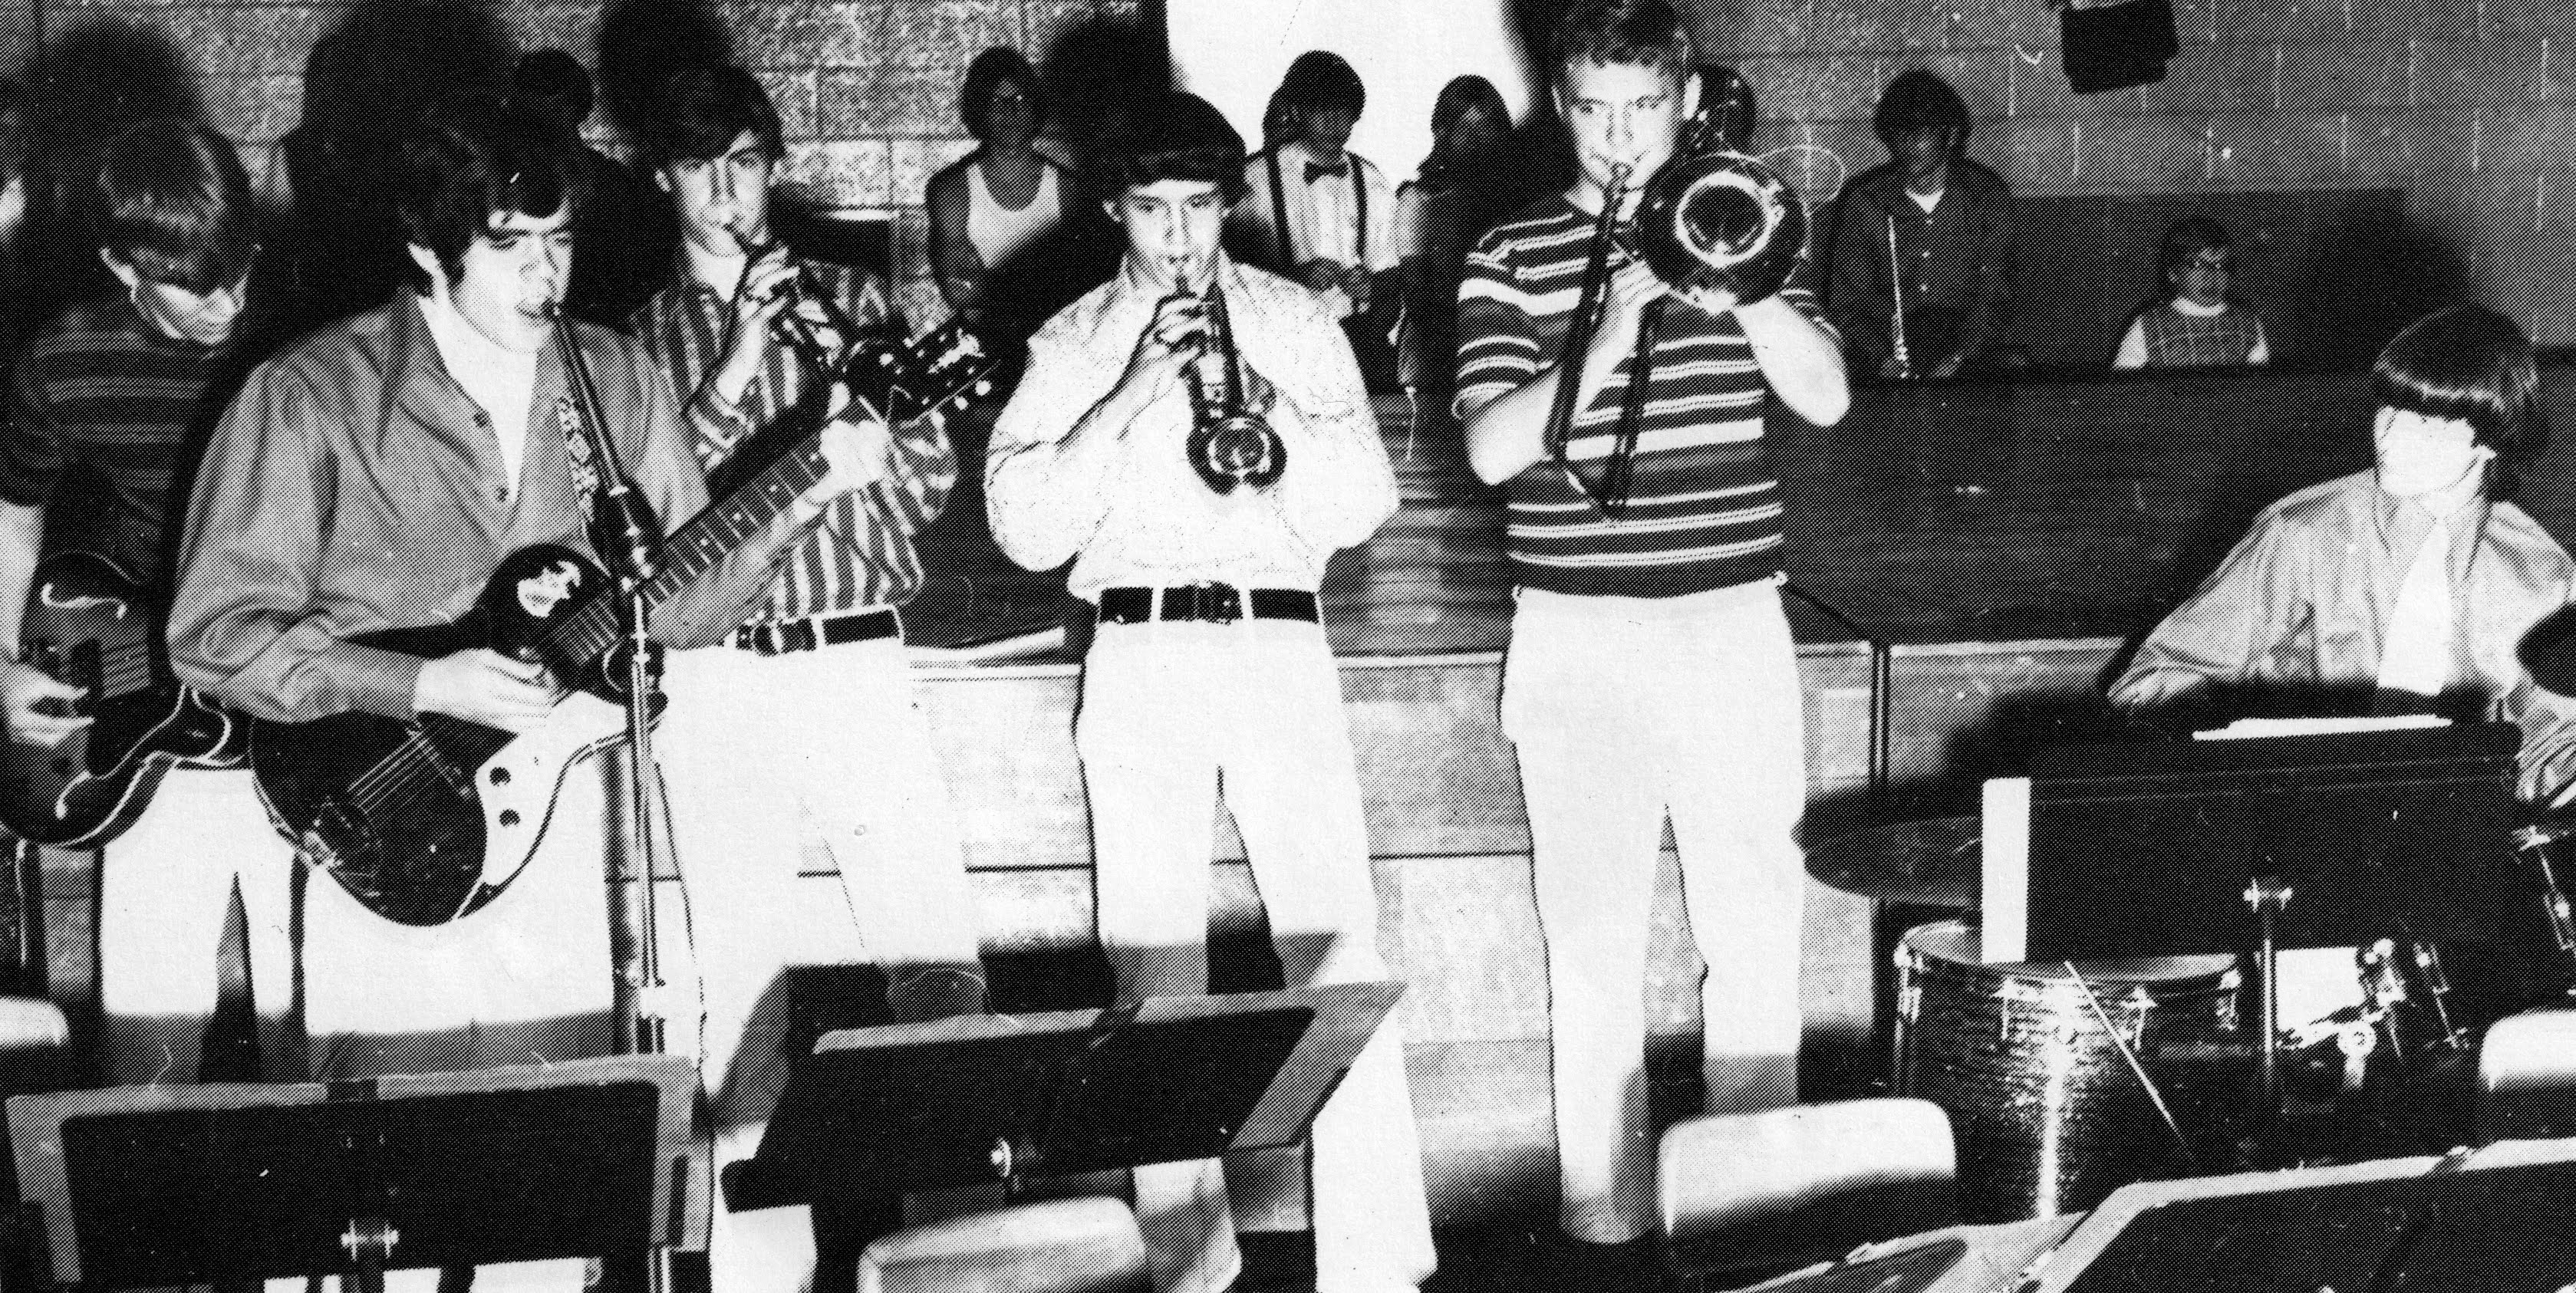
(2467, 104)
(867, 89)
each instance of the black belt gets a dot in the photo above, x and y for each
(1212, 603)
(818, 631)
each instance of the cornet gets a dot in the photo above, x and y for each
(1229, 444)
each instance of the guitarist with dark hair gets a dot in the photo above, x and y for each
(105, 405)
(370, 479)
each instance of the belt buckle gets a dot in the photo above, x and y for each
(1217, 603)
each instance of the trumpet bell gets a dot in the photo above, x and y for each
(1721, 222)
(1237, 449)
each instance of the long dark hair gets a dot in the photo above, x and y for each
(2471, 363)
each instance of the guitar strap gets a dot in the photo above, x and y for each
(585, 471)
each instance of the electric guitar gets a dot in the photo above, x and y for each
(424, 822)
(88, 623)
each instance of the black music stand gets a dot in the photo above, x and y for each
(984, 1098)
(163, 1185)
(2150, 850)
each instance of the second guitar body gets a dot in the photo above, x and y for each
(87, 622)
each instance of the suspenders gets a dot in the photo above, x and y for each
(1279, 210)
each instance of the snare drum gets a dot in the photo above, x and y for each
(2049, 1116)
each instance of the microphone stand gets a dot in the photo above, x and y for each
(629, 542)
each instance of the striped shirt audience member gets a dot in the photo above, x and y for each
(1704, 504)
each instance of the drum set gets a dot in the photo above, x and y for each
(2065, 1081)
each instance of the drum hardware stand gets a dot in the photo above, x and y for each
(2269, 895)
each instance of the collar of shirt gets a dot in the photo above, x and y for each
(501, 380)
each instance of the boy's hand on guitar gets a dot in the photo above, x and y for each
(487, 687)
(858, 451)
(38, 706)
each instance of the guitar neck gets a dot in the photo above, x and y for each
(700, 546)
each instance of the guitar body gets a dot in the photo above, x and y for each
(425, 821)
(89, 623)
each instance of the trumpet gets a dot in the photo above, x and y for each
(1229, 444)
(813, 324)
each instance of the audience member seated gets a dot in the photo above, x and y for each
(1463, 188)
(1929, 234)
(991, 213)
(2198, 324)
(1324, 215)
(626, 242)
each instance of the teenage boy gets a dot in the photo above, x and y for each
(1321, 214)
(1651, 669)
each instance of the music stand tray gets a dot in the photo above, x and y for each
(981, 1098)
(163, 1185)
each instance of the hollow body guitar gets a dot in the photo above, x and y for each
(89, 623)
(425, 821)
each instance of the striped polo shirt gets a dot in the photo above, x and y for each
(861, 556)
(107, 404)
(1704, 502)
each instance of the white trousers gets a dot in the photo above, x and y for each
(164, 887)
(1172, 714)
(1621, 710)
(775, 764)
(524, 980)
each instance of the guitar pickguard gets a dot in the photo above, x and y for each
(517, 788)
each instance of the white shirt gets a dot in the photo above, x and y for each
(1123, 503)
(999, 232)
(500, 379)
(1323, 216)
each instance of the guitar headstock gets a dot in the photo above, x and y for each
(944, 368)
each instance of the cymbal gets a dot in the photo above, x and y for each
(1931, 863)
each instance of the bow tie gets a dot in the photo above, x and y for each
(1317, 170)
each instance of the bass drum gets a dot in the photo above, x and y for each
(2049, 1115)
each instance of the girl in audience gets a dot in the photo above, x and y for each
(1459, 194)
(990, 209)
(2198, 324)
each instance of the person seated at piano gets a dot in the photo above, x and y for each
(1208, 666)
(2199, 323)
(2403, 589)
(800, 737)
(371, 477)
(1922, 249)
(107, 404)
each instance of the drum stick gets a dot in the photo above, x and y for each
(2162, 1111)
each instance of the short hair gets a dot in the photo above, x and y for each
(1465, 94)
(1623, 33)
(171, 199)
(553, 77)
(1174, 135)
(1919, 100)
(1320, 79)
(2471, 363)
(471, 159)
(697, 112)
(2188, 237)
(986, 74)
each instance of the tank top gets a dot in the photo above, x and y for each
(999, 232)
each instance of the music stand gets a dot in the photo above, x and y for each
(164, 1185)
(982, 1098)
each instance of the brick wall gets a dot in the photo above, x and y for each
(867, 88)
(2467, 104)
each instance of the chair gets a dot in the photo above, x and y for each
(34, 1039)
(1064, 1246)
(2527, 1077)
(1752, 1192)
